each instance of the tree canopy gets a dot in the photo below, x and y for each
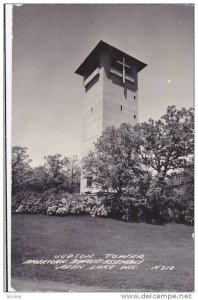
(123, 155)
(167, 143)
(57, 172)
(115, 161)
(21, 170)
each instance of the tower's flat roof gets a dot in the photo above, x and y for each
(101, 46)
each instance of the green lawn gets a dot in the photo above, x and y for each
(42, 237)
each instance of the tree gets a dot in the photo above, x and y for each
(21, 169)
(167, 143)
(40, 179)
(57, 173)
(56, 168)
(74, 173)
(115, 162)
(185, 183)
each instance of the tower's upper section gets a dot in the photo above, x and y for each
(115, 62)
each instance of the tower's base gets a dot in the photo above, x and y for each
(87, 187)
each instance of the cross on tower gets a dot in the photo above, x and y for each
(123, 68)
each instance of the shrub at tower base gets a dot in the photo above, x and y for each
(160, 203)
(150, 209)
(143, 174)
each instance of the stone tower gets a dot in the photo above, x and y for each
(110, 80)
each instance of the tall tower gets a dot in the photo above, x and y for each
(110, 80)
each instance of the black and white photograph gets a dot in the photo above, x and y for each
(102, 148)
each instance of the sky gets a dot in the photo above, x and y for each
(51, 41)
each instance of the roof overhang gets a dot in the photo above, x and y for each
(102, 46)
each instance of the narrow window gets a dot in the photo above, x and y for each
(91, 109)
(134, 116)
(89, 181)
(121, 107)
(134, 97)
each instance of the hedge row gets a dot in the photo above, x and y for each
(127, 208)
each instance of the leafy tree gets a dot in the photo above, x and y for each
(184, 180)
(74, 173)
(167, 143)
(115, 162)
(21, 169)
(187, 180)
(56, 168)
(40, 179)
(57, 173)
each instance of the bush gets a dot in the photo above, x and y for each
(60, 203)
(31, 203)
(132, 209)
(52, 210)
(98, 208)
(161, 203)
(185, 210)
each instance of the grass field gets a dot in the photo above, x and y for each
(42, 237)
